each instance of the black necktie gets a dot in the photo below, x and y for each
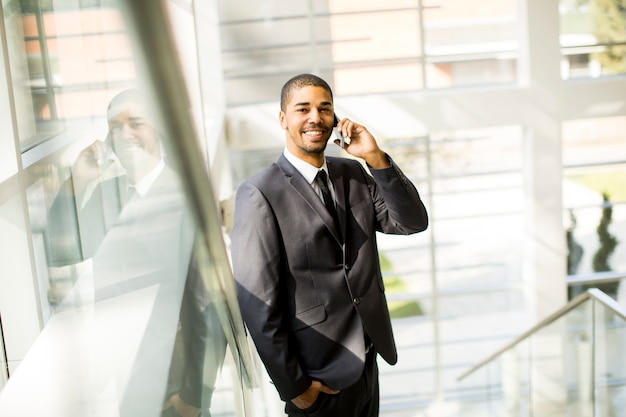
(321, 180)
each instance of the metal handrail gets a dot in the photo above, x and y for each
(595, 278)
(155, 43)
(592, 293)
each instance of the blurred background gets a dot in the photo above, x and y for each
(508, 115)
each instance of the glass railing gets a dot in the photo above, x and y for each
(4, 370)
(570, 364)
(131, 307)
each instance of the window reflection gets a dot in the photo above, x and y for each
(120, 231)
(66, 62)
(135, 320)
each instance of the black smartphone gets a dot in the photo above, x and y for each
(338, 134)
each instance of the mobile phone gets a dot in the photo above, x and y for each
(338, 134)
(105, 157)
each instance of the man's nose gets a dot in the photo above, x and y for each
(315, 116)
(127, 131)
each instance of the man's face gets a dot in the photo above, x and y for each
(133, 138)
(308, 121)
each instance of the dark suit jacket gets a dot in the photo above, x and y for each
(305, 296)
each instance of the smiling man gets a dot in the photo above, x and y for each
(124, 209)
(134, 139)
(104, 177)
(306, 262)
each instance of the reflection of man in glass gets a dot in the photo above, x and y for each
(101, 185)
(124, 209)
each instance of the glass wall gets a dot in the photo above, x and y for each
(594, 200)
(487, 159)
(593, 38)
(456, 290)
(115, 289)
(85, 277)
(367, 46)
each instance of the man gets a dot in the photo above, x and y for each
(105, 176)
(125, 209)
(310, 287)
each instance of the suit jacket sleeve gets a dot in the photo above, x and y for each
(399, 208)
(257, 258)
(74, 233)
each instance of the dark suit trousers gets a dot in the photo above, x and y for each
(359, 400)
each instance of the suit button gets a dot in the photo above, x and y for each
(356, 300)
(346, 267)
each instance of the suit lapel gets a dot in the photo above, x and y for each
(304, 189)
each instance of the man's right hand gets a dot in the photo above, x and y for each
(308, 397)
(90, 164)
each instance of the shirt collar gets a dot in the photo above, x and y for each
(143, 185)
(308, 171)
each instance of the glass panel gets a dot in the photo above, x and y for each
(366, 47)
(594, 198)
(4, 365)
(409, 385)
(594, 141)
(478, 228)
(8, 160)
(136, 310)
(376, 52)
(578, 356)
(65, 63)
(548, 390)
(609, 363)
(407, 274)
(475, 393)
(468, 43)
(19, 318)
(575, 368)
(593, 38)
(500, 387)
(517, 384)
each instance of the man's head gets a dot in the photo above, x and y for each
(307, 115)
(299, 81)
(132, 134)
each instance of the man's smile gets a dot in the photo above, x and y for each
(314, 132)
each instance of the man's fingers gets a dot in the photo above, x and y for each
(328, 390)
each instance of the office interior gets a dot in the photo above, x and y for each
(508, 115)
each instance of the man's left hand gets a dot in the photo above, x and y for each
(182, 408)
(361, 143)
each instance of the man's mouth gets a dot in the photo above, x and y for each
(132, 144)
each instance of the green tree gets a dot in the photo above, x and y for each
(609, 18)
(395, 285)
(608, 242)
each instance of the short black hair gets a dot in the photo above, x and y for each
(299, 81)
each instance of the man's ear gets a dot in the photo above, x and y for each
(282, 120)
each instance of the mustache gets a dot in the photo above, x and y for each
(315, 126)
